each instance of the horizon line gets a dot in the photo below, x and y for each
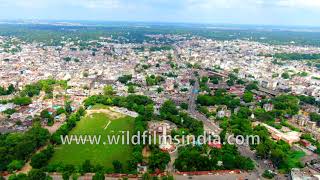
(11, 21)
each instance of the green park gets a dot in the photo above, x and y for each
(96, 123)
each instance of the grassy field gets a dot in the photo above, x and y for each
(104, 154)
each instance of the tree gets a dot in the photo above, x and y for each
(124, 79)
(41, 159)
(130, 89)
(86, 166)
(66, 175)
(247, 97)
(22, 101)
(229, 161)
(267, 174)
(108, 91)
(252, 86)
(15, 165)
(117, 166)
(214, 80)
(159, 160)
(98, 176)
(285, 75)
(45, 114)
(168, 108)
(11, 89)
(262, 150)
(314, 116)
(61, 110)
(159, 89)
(278, 157)
(67, 107)
(146, 176)
(192, 82)
(36, 174)
(19, 176)
(184, 106)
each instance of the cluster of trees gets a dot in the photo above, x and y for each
(296, 56)
(138, 103)
(203, 84)
(314, 117)
(233, 79)
(283, 105)
(45, 85)
(65, 128)
(252, 86)
(158, 159)
(278, 152)
(68, 170)
(42, 158)
(125, 79)
(313, 141)
(68, 59)
(205, 158)
(22, 101)
(147, 176)
(285, 75)
(9, 112)
(45, 115)
(154, 80)
(286, 104)
(220, 97)
(7, 91)
(34, 174)
(16, 148)
(140, 125)
(308, 100)
(169, 111)
(215, 79)
(263, 116)
(247, 97)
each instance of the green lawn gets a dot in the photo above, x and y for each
(102, 154)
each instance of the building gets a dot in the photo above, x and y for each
(302, 174)
(289, 137)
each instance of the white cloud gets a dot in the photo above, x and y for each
(33, 4)
(294, 4)
(94, 4)
(306, 4)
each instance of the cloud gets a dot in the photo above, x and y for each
(306, 4)
(225, 4)
(222, 11)
(35, 4)
(97, 4)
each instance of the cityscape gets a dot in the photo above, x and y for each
(139, 100)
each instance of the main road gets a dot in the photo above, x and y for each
(243, 149)
(192, 107)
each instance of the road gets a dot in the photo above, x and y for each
(245, 175)
(194, 113)
(243, 149)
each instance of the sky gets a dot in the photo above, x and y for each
(262, 12)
